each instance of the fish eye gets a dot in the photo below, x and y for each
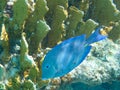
(47, 66)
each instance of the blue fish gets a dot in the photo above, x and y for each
(67, 55)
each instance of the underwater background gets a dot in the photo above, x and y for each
(30, 28)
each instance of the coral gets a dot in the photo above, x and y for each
(104, 11)
(114, 34)
(4, 42)
(117, 3)
(60, 15)
(83, 5)
(99, 67)
(86, 27)
(40, 9)
(41, 31)
(76, 25)
(20, 9)
(26, 61)
(2, 73)
(38, 14)
(53, 3)
(15, 24)
(55, 16)
(2, 5)
(14, 83)
(30, 28)
(75, 16)
(41, 83)
(33, 25)
(34, 73)
(2, 86)
(28, 85)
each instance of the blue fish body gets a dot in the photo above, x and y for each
(67, 55)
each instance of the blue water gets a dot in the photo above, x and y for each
(104, 86)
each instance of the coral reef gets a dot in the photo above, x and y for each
(59, 16)
(99, 67)
(104, 11)
(114, 34)
(2, 73)
(75, 16)
(30, 28)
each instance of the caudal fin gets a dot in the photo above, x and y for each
(96, 36)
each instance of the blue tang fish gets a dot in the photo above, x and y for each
(67, 55)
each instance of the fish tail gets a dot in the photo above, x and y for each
(96, 36)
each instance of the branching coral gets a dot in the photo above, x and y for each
(41, 31)
(60, 15)
(4, 42)
(75, 16)
(104, 11)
